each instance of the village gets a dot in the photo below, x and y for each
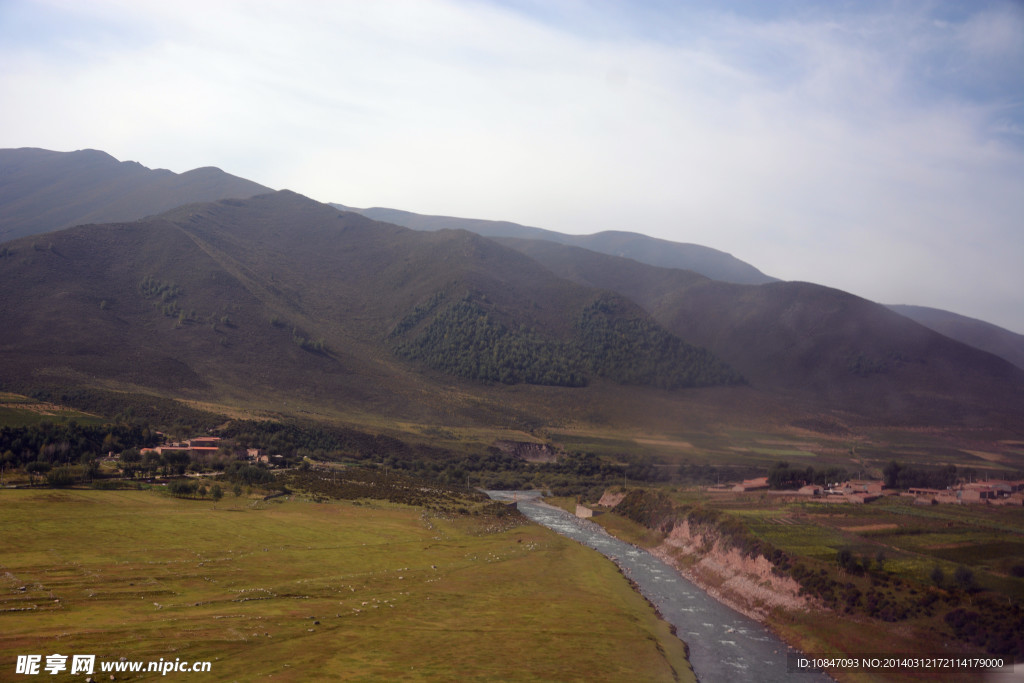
(209, 445)
(200, 454)
(993, 492)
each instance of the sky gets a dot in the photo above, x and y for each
(877, 147)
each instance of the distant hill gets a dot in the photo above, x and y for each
(41, 190)
(704, 261)
(281, 294)
(709, 262)
(809, 342)
(977, 333)
(290, 305)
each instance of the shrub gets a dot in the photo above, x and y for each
(182, 488)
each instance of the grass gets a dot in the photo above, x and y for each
(297, 590)
(21, 411)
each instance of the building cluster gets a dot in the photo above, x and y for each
(867, 490)
(854, 491)
(209, 445)
(195, 446)
(257, 455)
(997, 492)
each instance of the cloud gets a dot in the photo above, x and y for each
(864, 148)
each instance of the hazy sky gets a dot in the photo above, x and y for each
(877, 147)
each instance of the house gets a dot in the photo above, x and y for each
(200, 444)
(861, 486)
(204, 444)
(751, 485)
(973, 493)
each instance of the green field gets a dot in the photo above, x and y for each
(17, 411)
(300, 591)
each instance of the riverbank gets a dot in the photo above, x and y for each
(743, 584)
(724, 644)
(713, 547)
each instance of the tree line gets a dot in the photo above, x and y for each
(466, 340)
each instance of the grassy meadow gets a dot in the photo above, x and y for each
(17, 410)
(297, 590)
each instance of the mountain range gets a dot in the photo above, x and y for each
(715, 264)
(237, 295)
(41, 190)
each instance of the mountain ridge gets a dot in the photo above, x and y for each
(710, 262)
(977, 333)
(814, 343)
(43, 190)
(279, 295)
(705, 261)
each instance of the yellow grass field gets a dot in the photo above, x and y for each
(297, 591)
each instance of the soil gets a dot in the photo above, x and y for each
(747, 584)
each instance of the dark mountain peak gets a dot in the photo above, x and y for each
(201, 172)
(43, 190)
(96, 155)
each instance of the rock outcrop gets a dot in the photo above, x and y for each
(530, 452)
(746, 583)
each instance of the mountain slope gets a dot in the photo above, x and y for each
(41, 190)
(284, 296)
(977, 333)
(279, 298)
(813, 343)
(709, 262)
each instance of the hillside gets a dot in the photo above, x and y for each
(284, 296)
(41, 190)
(977, 333)
(287, 305)
(818, 345)
(712, 263)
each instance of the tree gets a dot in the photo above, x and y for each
(36, 467)
(891, 472)
(111, 443)
(182, 488)
(964, 579)
(938, 576)
(846, 560)
(176, 461)
(880, 561)
(151, 462)
(60, 477)
(217, 492)
(130, 459)
(7, 460)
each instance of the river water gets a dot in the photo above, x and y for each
(724, 644)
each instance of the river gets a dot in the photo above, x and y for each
(724, 644)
